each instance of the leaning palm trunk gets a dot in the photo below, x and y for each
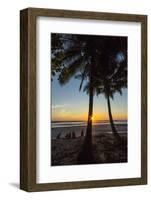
(111, 120)
(88, 136)
(86, 155)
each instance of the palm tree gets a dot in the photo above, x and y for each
(111, 74)
(112, 82)
(92, 57)
(108, 90)
(72, 54)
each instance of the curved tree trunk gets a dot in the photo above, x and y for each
(86, 155)
(88, 136)
(111, 120)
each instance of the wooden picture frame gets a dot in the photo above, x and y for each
(28, 99)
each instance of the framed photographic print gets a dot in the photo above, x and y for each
(83, 99)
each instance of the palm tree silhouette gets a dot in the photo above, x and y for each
(72, 54)
(94, 60)
(110, 78)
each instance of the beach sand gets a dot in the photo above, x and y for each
(64, 151)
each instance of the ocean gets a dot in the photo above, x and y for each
(65, 127)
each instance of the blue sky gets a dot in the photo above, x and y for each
(70, 104)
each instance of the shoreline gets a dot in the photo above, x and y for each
(96, 130)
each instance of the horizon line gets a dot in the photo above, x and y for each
(86, 120)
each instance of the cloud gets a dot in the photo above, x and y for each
(65, 112)
(60, 112)
(58, 106)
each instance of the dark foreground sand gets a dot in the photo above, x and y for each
(105, 149)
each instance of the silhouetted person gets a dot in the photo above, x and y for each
(73, 135)
(82, 133)
(69, 135)
(58, 136)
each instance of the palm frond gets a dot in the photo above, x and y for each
(86, 88)
(68, 72)
(83, 76)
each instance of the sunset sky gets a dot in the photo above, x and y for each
(69, 104)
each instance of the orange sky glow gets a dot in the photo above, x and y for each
(83, 116)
